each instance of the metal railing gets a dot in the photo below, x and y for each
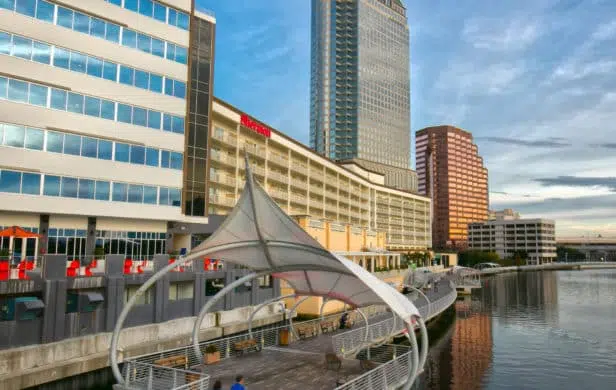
(139, 375)
(389, 375)
(349, 343)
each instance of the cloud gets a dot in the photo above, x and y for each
(607, 145)
(539, 143)
(575, 181)
(574, 71)
(490, 34)
(605, 31)
(473, 80)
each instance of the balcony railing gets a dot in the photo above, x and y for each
(225, 138)
(222, 200)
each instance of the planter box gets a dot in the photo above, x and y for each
(212, 358)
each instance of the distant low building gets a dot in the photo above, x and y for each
(501, 215)
(536, 237)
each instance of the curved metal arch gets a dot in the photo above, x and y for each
(424, 295)
(261, 306)
(291, 311)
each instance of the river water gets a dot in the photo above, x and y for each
(535, 330)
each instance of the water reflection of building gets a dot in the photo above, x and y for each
(471, 347)
(533, 294)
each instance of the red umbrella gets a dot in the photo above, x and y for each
(17, 232)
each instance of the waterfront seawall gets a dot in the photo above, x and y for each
(550, 267)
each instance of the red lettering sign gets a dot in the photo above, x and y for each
(254, 126)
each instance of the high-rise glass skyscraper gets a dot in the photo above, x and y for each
(360, 81)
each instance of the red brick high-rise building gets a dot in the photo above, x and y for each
(451, 172)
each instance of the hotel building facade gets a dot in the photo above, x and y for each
(111, 140)
(451, 172)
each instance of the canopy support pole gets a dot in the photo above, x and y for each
(261, 306)
(291, 328)
(325, 300)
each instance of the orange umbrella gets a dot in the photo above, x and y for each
(17, 232)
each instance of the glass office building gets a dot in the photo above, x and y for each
(360, 81)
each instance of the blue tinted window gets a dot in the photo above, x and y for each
(129, 38)
(164, 196)
(105, 149)
(89, 147)
(55, 142)
(131, 5)
(125, 113)
(178, 125)
(120, 192)
(160, 12)
(140, 116)
(72, 144)
(156, 83)
(38, 95)
(58, 99)
(102, 190)
(137, 154)
(97, 28)
(146, 7)
(170, 51)
(10, 181)
(167, 122)
(107, 110)
(51, 186)
(165, 158)
(151, 157)
(144, 43)
(168, 86)
(173, 17)
(78, 62)
(142, 79)
(34, 139)
(65, 17)
(127, 75)
(18, 91)
(26, 7)
(22, 47)
(44, 11)
(61, 58)
(179, 89)
(86, 189)
(116, 2)
(5, 43)
(110, 71)
(31, 184)
(158, 47)
(174, 197)
(7, 4)
(154, 119)
(75, 103)
(182, 20)
(135, 193)
(1, 133)
(122, 152)
(93, 106)
(69, 187)
(81, 23)
(14, 136)
(181, 54)
(176, 161)
(112, 33)
(3, 87)
(95, 67)
(149, 195)
(41, 53)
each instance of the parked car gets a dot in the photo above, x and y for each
(482, 266)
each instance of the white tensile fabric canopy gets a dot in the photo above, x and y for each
(259, 235)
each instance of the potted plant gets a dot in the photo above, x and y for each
(212, 354)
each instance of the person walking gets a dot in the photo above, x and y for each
(217, 385)
(239, 383)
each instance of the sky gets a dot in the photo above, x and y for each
(534, 81)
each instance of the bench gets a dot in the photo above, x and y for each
(332, 361)
(328, 326)
(367, 365)
(177, 361)
(243, 346)
(305, 332)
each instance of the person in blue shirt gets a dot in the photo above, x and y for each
(239, 383)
